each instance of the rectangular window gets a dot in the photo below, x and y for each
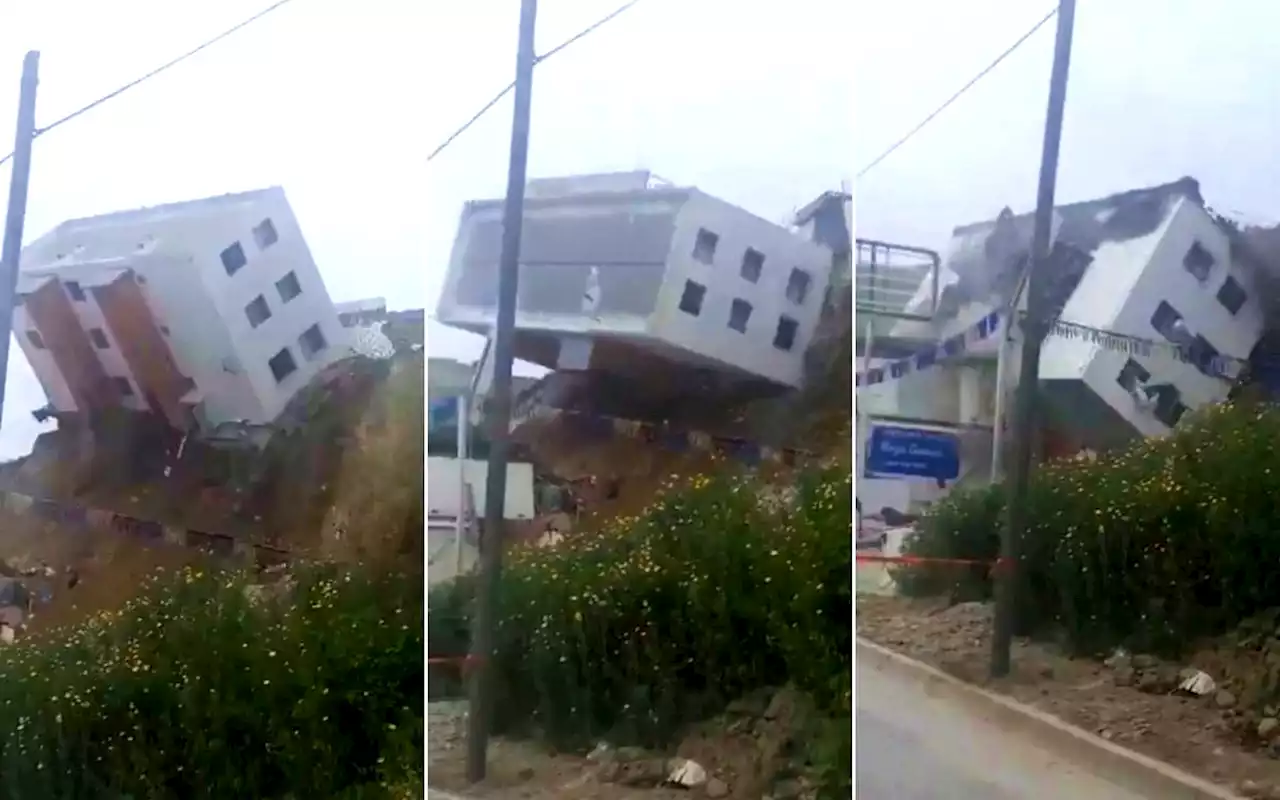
(312, 342)
(264, 235)
(1232, 295)
(1198, 261)
(1169, 408)
(37, 341)
(282, 365)
(233, 258)
(288, 287)
(784, 338)
(692, 297)
(704, 247)
(798, 286)
(1168, 322)
(75, 290)
(1132, 376)
(739, 314)
(122, 386)
(1206, 357)
(257, 312)
(752, 265)
(99, 338)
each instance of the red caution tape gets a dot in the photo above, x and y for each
(999, 563)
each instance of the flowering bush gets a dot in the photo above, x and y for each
(1157, 544)
(661, 618)
(201, 690)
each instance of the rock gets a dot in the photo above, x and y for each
(1224, 699)
(788, 789)
(1143, 661)
(628, 754)
(1125, 676)
(782, 706)
(525, 774)
(1149, 682)
(686, 772)
(1268, 728)
(1249, 788)
(716, 788)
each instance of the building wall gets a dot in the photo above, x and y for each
(1165, 278)
(56, 388)
(443, 489)
(708, 333)
(178, 248)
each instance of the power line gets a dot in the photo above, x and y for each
(537, 60)
(153, 73)
(1021, 40)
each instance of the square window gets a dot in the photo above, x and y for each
(288, 287)
(233, 258)
(75, 290)
(37, 341)
(784, 338)
(264, 235)
(282, 365)
(1198, 261)
(1205, 357)
(1170, 409)
(752, 265)
(312, 341)
(1232, 295)
(739, 313)
(1168, 322)
(704, 247)
(257, 311)
(691, 299)
(1132, 376)
(798, 286)
(122, 386)
(99, 338)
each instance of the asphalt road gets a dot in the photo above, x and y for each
(913, 745)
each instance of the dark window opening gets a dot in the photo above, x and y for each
(37, 341)
(282, 365)
(1206, 357)
(75, 290)
(784, 338)
(312, 341)
(288, 287)
(692, 297)
(265, 235)
(1198, 261)
(1132, 375)
(739, 313)
(704, 247)
(1169, 324)
(1232, 295)
(752, 265)
(123, 386)
(164, 329)
(233, 258)
(99, 338)
(257, 312)
(798, 286)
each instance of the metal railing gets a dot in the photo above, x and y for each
(887, 277)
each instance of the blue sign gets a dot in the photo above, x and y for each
(895, 452)
(442, 413)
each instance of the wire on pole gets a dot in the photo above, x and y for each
(153, 73)
(972, 81)
(537, 60)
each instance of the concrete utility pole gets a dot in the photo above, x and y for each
(1035, 326)
(17, 214)
(499, 412)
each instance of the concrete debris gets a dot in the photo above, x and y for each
(1197, 682)
(686, 772)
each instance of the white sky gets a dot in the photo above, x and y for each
(753, 101)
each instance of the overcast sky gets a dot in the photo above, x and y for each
(753, 101)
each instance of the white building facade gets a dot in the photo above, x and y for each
(1148, 266)
(615, 266)
(204, 311)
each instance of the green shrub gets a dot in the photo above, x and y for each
(197, 691)
(1155, 545)
(964, 525)
(661, 619)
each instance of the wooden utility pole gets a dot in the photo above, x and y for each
(498, 412)
(16, 216)
(1035, 327)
